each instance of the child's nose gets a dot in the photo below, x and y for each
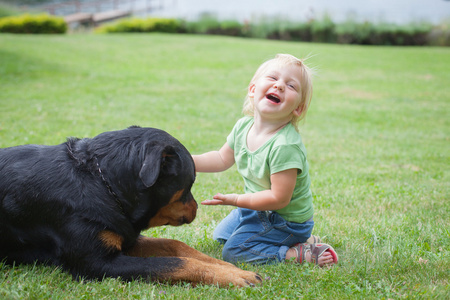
(279, 85)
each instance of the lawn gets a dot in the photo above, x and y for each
(377, 134)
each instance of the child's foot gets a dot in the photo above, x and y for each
(319, 254)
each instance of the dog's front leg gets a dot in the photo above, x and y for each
(197, 267)
(146, 247)
(197, 271)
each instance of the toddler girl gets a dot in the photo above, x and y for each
(274, 217)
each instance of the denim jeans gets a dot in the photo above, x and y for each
(259, 237)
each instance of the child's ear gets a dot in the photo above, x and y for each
(298, 111)
(251, 90)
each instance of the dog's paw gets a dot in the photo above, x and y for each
(235, 277)
(247, 278)
(223, 275)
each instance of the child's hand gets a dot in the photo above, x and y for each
(220, 199)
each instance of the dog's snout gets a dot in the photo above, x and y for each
(191, 210)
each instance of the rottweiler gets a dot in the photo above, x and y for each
(82, 205)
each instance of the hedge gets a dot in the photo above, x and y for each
(26, 23)
(321, 31)
(143, 25)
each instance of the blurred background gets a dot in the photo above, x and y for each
(398, 11)
(370, 22)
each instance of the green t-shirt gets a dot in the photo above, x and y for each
(283, 151)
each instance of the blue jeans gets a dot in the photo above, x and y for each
(259, 237)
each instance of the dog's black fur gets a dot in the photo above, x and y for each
(82, 204)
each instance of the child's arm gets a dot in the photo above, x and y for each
(215, 161)
(279, 195)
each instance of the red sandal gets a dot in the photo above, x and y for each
(316, 250)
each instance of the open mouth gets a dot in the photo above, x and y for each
(273, 98)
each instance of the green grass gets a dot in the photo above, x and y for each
(377, 134)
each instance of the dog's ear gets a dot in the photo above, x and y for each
(153, 164)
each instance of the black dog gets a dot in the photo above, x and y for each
(82, 204)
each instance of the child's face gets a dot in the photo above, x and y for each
(276, 94)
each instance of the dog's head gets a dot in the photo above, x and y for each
(169, 172)
(151, 171)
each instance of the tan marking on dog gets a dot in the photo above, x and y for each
(176, 196)
(146, 247)
(111, 239)
(175, 213)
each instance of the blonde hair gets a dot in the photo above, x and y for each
(306, 89)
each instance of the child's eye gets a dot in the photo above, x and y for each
(292, 87)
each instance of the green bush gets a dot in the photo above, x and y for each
(354, 33)
(323, 31)
(297, 32)
(268, 28)
(206, 24)
(382, 34)
(281, 29)
(289, 31)
(143, 25)
(231, 27)
(33, 24)
(404, 35)
(439, 35)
